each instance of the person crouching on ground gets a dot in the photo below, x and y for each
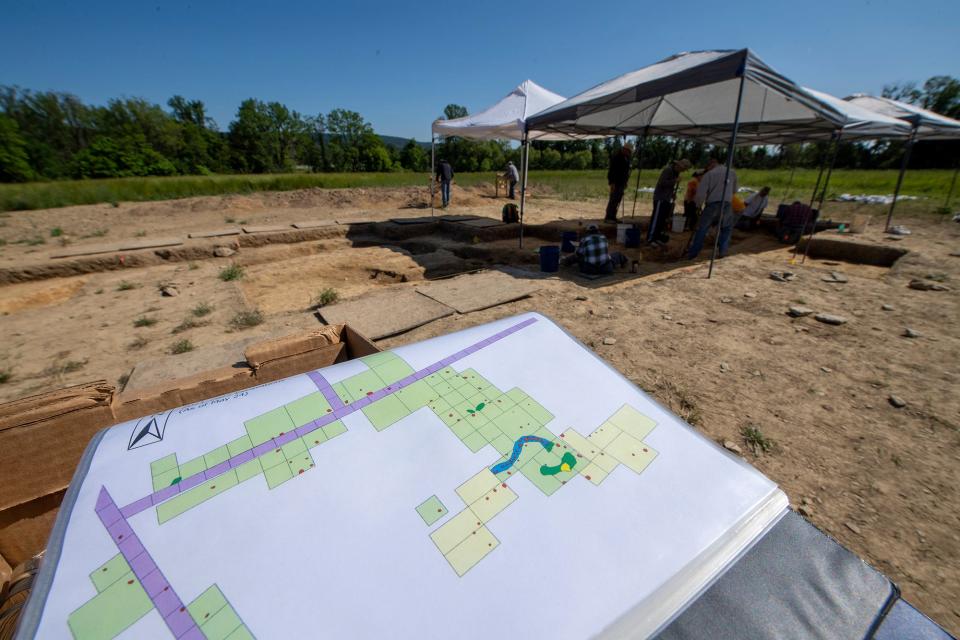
(754, 209)
(618, 175)
(717, 208)
(593, 254)
(513, 177)
(664, 195)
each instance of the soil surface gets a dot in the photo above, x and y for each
(723, 352)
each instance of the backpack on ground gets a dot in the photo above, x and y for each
(510, 213)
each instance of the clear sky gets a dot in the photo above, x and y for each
(399, 64)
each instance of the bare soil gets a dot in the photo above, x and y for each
(722, 353)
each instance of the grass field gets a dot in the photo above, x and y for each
(932, 184)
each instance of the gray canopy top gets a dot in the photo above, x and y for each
(694, 95)
(929, 125)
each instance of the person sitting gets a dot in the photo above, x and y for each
(593, 253)
(793, 220)
(754, 209)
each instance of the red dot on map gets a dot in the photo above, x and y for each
(369, 393)
(587, 477)
(129, 581)
(487, 498)
(301, 470)
(316, 442)
(166, 588)
(644, 449)
(213, 486)
(329, 410)
(504, 485)
(104, 569)
(439, 510)
(206, 615)
(182, 609)
(120, 537)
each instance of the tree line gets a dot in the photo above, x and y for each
(52, 135)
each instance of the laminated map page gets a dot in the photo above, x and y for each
(501, 481)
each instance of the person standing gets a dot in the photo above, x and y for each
(445, 175)
(513, 176)
(617, 177)
(716, 199)
(690, 210)
(664, 195)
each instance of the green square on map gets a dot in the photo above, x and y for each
(248, 469)
(492, 411)
(192, 467)
(109, 572)
(547, 484)
(502, 444)
(490, 431)
(239, 445)
(241, 633)
(215, 457)
(271, 458)
(361, 384)
(442, 387)
(335, 429)
(292, 448)
(316, 437)
(385, 412)
(268, 425)
(376, 359)
(206, 605)
(308, 408)
(221, 624)
(416, 395)
(475, 441)
(165, 479)
(277, 475)
(431, 510)
(164, 464)
(341, 392)
(517, 395)
(393, 370)
(536, 411)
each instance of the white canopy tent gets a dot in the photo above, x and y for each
(504, 120)
(722, 97)
(925, 125)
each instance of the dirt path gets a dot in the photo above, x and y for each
(722, 353)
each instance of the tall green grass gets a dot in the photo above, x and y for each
(571, 185)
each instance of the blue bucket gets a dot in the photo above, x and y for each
(550, 258)
(633, 238)
(567, 239)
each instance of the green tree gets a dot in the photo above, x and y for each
(252, 145)
(413, 157)
(14, 162)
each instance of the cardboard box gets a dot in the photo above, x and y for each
(42, 437)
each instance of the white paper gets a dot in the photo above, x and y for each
(340, 551)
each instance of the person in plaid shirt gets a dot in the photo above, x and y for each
(593, 254)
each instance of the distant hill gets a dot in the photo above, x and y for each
(399, 143)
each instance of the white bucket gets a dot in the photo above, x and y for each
(622, 233)
(679, 222)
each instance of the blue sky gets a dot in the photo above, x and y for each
(399, 64)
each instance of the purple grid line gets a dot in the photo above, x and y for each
(164, 598)
(134, 508)
(285, 438)
(339, 412)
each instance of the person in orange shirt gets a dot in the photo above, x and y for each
(690, 210)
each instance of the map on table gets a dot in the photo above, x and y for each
(501, 480)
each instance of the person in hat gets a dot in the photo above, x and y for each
(617, 177)
(513, 176)
(664, 196)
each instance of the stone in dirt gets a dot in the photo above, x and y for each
(826, 369)
(827, 318)
(724, 367)
(910, 333)
(581, 298)
(732, 446)
(609, 341)
(923, 285)
(223, 252)
(169, 291)
(726, 300)
(897, 401)
(782, 276)
(852, 527)
(799, 312)
(887, 307)
(749, 294)
(837, 277)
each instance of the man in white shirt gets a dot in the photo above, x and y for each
(755, 206)
(513, 176)
(715, 198)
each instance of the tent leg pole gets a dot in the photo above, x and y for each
(726, 176)
(903, 169)
(636, 191)
(433, 169)
(823, 194)
(525, 153)
(953, 183)
(786, 192)
(813, 198)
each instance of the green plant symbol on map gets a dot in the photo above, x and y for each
(478, 409)
(176, 480)
(567, 463)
